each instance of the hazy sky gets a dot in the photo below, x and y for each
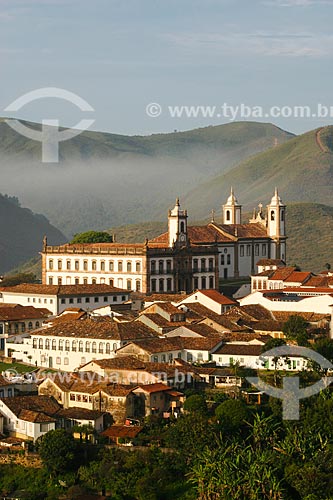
(120, 55)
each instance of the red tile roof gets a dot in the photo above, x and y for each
(122, 431)
(150, 388)
(64, 290)
(19, 313)
(218, 297)
(240, 349)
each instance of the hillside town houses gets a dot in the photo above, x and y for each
(117, 332)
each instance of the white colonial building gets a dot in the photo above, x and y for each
(185, 258)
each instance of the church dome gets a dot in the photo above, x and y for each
(276, 200)
(232, 200)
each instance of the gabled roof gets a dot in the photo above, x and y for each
(33, 408)
(150, 388)
(97, 328)
(271, 262)
(122, 431)
(64, 290)
(217, 297)
(153, 346)
(18, 312)
(242, 231)
(298, 277)
(240, 349)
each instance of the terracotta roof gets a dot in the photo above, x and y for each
(218, 297)
(160, 321)
(76, 413)
(63, 290)
(150, 388)
(97, 328)
(282, 273)
(242, 231)
(33, 408)
(308, 316)
(175, 344)
(298, 277)
(4, 381)
(320, 281)
(202, 329)
(167, 297)
(19, 312)
(220, 319)
(271, 262)
(166, 306)
(122, 431)
(94, 247)
(240, 349)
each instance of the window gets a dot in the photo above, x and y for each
(161, 284)
(50, 282)
(101, 348)
(80, 346)
(203, 282)
(138, 285)
(68, 265)
(22, 327)
(196, 283)
(163, 358)
(85, 281)
(114, 298)
(71, 301)
(63, 301)
(54, 344)
(107, 348)
(111, 282)
(228, 259)
(195, 265)
(61, 345)
(282, 215)
(79, 300)
(211, 281)
(129, 267)
(47, 344)
(153, 266)
(111, 265)
(155, 359)
(248, 250)
(137, 267)
(182, 227)
(94, 347)
(227, 215)
(222, 260)
(83, 360)
(160, 266)
(59, 282)
(264, 249)
(78, 397)
(95, 299)
(51, 264)
(105, 299)
(102, 265)
(74, 345)
(87, 299)
(129, 284)
(30, 325)
(87, 346)
(272, 215)
(114, 347)
(67, 345)
(93, 265)
(66, 361)
(72, 397)
(256, 249)
(34, 344)
(120, 266)
(58, 360)
(93, 281)
(200, 357)
(169, 284)
(203, 265)
(85, 265)
(84, 398)
(241, 250)
(211, 265)
(59, 265)
(153, 285)
(76, 281)
(76, 265)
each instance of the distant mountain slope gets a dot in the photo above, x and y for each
(21, 233)
(113, 179)
(302, 168)
(309, 230)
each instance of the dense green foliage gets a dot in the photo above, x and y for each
(16, 279)
(92, 237)
(57, 449)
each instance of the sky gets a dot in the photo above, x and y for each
(121, 55)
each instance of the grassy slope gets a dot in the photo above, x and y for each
(114, 179)
(301, 170)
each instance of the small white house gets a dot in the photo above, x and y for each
(211, 299)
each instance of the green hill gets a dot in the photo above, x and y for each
(302, 168)
(105, 179)
(21, 233)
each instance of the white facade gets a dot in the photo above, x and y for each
(23, 428)
(58, 352)
(291, 302)
(213, 301)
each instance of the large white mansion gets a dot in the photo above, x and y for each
(184, 258)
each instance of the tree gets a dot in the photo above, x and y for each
(196, 404)
(92, 237)
(57, 450)
(272, 344)
(16, 279)
(295, 327)
(232, 414)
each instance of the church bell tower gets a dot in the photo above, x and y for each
(232, 210)
(276, 226)
(177, 225)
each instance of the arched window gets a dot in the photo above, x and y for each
(68, 265)
(102, 265)
(115, 347)
(282, 215)
(160, 266)
(59, 265)
(40, 343)
(67, 345)
(61, 345)
(37, 324)
(51, 264)
(137, 267)
(30, 325)
(80, 346)
(153, 266)
(85, 265)
(111, 265)
(129, 284)
(93, 281)
(227, 215)
(272, 215)
(182, 227)
(74, 345)
(200, 357)
(120, 266)
(161, 285)
(101, 348)
(93, 265)
(59, 281)
(87, 346)
(138, 285)
(107, 348)
(93, 348)
(129, 266)
(47, 344)
(34, 343)
(54, 344)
